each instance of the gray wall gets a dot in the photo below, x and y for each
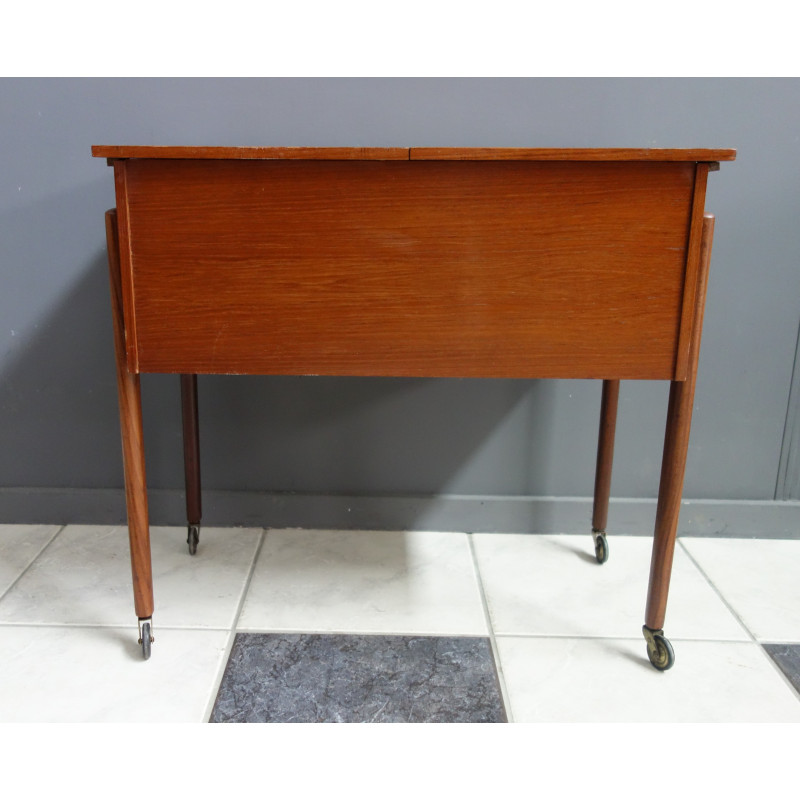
(381, 437)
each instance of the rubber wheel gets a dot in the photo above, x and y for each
(146, 641)
(601, 548)
(662, 657)
(193, 538)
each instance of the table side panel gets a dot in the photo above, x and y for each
(690, 298)
(438, 269)
(125, 265)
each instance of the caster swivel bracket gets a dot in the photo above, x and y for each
(659, 649)
(193, 537)
(600, 545)
(146, 637)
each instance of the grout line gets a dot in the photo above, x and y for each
(232, 632)
(754, 639)
(104, 626)
(449, 633)
(463, 635)
(620, 638)
(717, 591)
(32, 562)
(492, 641)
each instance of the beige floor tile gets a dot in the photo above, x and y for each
(552, 585)
(365, 582)
(84, 578)
(611, 680)
(72, 674)
(19, 546)
(760, 578)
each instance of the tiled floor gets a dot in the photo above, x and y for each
(306, 626)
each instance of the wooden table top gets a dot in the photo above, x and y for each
(419, 153)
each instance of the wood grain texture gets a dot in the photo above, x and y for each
(283, 153)
(570, 154)
(437, 269)
(690, 285)
(605, 454)
(676, 448)
(191, 448)
(125, 265)
(419, 153)
(130, 413)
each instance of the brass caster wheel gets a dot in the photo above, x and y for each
(600, 547)
(659, 650)
(146, 637)
(193, 538)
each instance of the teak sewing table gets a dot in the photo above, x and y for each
(423, 262)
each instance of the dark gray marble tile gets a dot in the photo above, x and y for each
(351, 678)
(787, 657)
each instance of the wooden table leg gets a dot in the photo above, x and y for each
(605, 460)
(191, 458)
(673, 466)
(130, 414)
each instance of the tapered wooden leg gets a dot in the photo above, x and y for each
(130, 414)
(676, 445)
(673, 466)
(605, 460)
(191, 458)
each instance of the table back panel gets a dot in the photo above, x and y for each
(407, 268)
